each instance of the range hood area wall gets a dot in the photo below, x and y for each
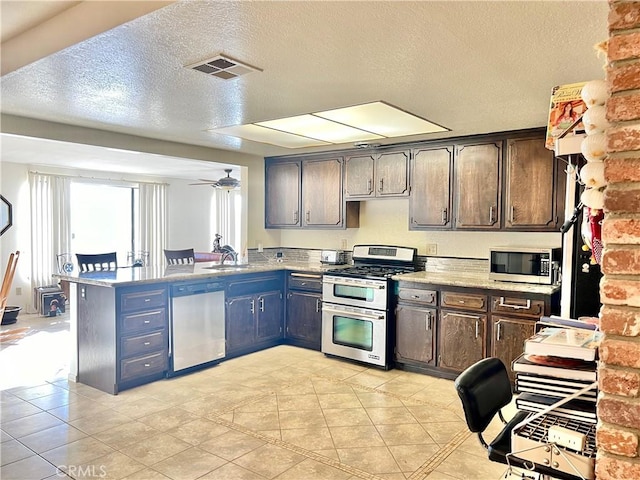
(386, 222)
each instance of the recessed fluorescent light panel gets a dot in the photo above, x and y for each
(370, 121)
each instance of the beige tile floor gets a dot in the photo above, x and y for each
(285, 413)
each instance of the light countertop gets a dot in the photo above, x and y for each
(128, 276)
(474, 280)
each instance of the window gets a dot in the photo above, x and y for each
(104, 218)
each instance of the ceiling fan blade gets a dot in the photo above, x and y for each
(205, 183)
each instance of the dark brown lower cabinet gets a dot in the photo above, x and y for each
(415, 334)
(304, 319)
(508, 339)
(253, 317)
(462, 339)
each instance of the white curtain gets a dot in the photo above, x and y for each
(50, 225)
(226, 217)
(152, 223)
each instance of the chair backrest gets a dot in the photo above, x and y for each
(484, 388)
(179, 257)
(94, 262)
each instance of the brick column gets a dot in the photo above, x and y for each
(618, 427)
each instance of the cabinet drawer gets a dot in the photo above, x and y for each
(253, 284)
(141, 344)
(145, 299)
(517, 306)
(424, 297)
(153, 319)
(305, 281)
(143, 366)
(465, 301)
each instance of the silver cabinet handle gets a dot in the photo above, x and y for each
(498, 330)
(147, 364)
(295, 216)
(262, 304)
(515, 307)
(318, 304)
(308, 216)
(381, 185)
(444, 216)
(147, 343)
(513, 213)
(491, 215)
(428, 321)
(369, 186)
(305, 275)
(477, 327)
(253, 306)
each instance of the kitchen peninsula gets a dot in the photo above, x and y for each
(121, 319)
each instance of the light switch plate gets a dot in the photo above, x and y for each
(432, 249)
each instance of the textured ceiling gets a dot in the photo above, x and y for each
(472, 67)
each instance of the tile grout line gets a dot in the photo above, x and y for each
(440, 456)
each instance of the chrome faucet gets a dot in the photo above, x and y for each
(229, 253)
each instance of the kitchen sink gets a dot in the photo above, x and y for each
(228, 267)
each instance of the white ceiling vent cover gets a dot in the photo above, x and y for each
(223, 67)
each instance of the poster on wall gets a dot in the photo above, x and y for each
(565, 109)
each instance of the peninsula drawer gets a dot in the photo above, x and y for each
(150, 320)
(141, 344)
(465, 301)
(305, 281)
(517, 306)
(143, 366)
(424, 297)
(144, 299)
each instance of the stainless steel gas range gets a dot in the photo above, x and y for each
(358, 304)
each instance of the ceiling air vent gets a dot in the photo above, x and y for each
(223, 67)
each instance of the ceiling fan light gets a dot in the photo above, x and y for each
(228, 182)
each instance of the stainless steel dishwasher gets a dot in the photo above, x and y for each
(197, 332)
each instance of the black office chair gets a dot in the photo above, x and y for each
(484, 389)
(95, 262)
(180, 257)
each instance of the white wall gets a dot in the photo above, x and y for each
(387, 222)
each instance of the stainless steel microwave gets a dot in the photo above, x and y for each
(538, 265)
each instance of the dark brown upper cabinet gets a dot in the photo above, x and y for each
(321, 184)
(377, 175)
(282, 194)
(430, 200)
(535, 185)
(477, 183)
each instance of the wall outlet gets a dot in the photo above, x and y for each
(343, 243)
(432, 249)
(566, 438)
(18, 290)
(260, 247)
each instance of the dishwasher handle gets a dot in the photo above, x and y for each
(186, 289)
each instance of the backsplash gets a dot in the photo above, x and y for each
(459, 265)
(430, 264)
(303, 255)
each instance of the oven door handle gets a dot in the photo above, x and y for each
(349, 284)
(352, 314)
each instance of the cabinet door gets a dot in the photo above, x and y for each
(530, 200)
(240, 322)
(282, 185)
(461, 339)
(268, 308)
(322, 193)
(430, 201)
(304, 318)
(477, 186)
(392, 175)
(415, 334)
(508, 338)
(358, 177)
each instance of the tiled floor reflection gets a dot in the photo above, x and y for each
(285, 413)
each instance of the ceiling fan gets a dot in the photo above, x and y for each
(225, 183)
